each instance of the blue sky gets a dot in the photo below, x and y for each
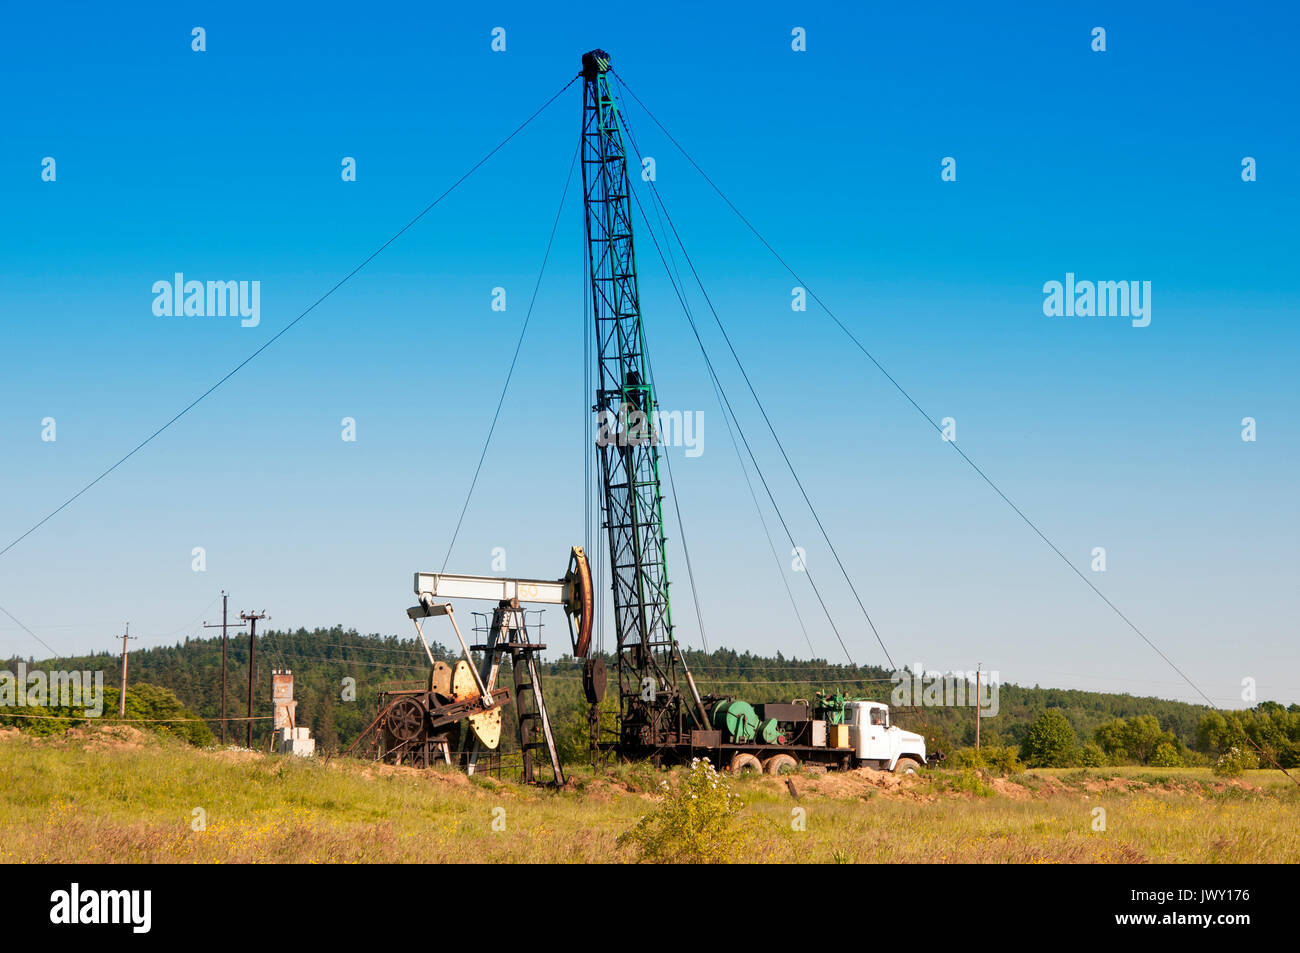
(1122, 165)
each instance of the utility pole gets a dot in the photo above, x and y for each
(224, 642)
(251, 618)
(977, 705)
(121, 702)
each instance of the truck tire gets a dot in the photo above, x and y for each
(781, 764)
(907, 766)
(743, 763)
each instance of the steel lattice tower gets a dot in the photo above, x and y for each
(651, 713)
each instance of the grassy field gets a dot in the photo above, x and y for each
(120, 796)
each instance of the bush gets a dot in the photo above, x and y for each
(964, 758)
(698, 822)
(1166, 756)
(997, 758)
(1091, 756)
(1234, 762)
(156, 708)
(970, 781)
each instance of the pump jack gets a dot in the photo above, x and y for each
(508, 635)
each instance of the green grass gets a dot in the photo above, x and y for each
(73, 801)
(1271, 780)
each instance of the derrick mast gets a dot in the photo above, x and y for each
(650, 705)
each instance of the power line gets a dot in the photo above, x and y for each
(899, 387)
(413, 666)
(128, 721)
(718, 384)
(668, 462)
(928, 419)
(505, 386)
(677, 508)
(654, 192)
(771, 544)
(515, 358)
(67, 625)
(681, 529)
(77, 625)
(30, 632)
(428, 208)
(188, 625)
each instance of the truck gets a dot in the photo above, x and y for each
(834, 731)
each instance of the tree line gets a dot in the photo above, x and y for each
(339, 672)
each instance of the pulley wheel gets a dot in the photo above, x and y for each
(581, 600)
(406, 719)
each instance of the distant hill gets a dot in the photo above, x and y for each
(321, 660)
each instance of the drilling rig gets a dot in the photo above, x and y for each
(661, 714)
(653, 712)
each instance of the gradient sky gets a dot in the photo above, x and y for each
(225, 165)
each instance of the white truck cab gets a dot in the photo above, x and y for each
(879, 744)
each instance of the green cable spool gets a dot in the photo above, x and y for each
(768, 732)
(738, 719)
(719, 715)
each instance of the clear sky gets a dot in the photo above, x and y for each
(225, 165)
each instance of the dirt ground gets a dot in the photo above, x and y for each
(864, 783)
(103, 737)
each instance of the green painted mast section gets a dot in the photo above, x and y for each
(652, 711)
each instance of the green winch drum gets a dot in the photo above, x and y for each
(769, 732)
(738, 719)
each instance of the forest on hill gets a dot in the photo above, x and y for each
(339, 672)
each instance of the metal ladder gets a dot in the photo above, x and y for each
(508, 635)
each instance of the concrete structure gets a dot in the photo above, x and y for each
(296, 741)
(289, 738)
(285, 708)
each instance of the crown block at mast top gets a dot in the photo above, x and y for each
(593, 63)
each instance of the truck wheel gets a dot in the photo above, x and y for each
(781, 764)
(742, 763)
(907, 766)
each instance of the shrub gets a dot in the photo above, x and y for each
(1004, 759)
(997, 758)
(1091, 755)
(156, 708)
(1234, 762)
(964, 758)
(971, 781)
(1166, 756)
(698, 821)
